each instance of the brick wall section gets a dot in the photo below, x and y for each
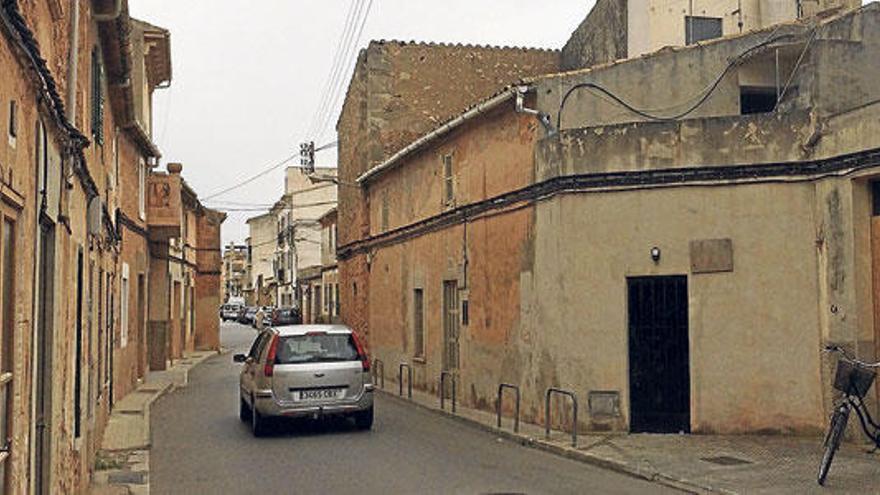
(600, 38)
(398, 92)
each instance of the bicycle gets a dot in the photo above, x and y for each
(854, 378)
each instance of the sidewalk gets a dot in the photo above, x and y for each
(693, 463)
(123, 463)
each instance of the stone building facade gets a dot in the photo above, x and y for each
(262, 243)
(233, 278)
(399, 91)
(677, 272)
(75, 152)
(619, 29)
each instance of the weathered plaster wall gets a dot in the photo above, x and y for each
(485, 256)
(829, 54)
(602, 37)
(398, 92)
(207, 281)
(740, 322)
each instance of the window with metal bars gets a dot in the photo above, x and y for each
(97, 97)
(702, 28)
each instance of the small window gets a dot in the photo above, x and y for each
(13, 119)
(698, 29)
(448, 181)
(465, 313)
(418, 323)
(756, 100)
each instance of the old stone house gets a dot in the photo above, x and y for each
(399, 91)
(185, 269)
(262, 242)
(676, 261)
(234, 274)
(75, 104)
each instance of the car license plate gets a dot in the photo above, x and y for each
(319, 394)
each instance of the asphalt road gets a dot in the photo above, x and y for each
(200, 446)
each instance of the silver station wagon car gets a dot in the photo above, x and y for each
(305, 371)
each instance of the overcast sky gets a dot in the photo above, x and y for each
(249, 74)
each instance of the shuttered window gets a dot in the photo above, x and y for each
(448, 181)
(97, 97)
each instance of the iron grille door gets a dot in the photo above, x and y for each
(659, 361)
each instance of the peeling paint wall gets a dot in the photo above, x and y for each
(398, 92)
(487, 258)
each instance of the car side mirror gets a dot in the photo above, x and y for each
(239, 358)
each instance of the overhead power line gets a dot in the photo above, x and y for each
(341, 49)
(253, 178)
(263, 173)
(343, 64)
(348, 68)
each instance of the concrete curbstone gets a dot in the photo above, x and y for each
(568, 452)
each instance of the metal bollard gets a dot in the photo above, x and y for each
(443, 376)
(378, 364)
(409, 379)
(501, 388)
(574, 402)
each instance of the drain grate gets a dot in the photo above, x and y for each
(725, 460)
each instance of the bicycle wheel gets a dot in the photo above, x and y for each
(832, 441)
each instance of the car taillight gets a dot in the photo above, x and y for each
(269, 368)
(365, 360)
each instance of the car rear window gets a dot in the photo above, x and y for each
(315, 348)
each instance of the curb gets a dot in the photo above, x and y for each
(162, 389)
(569, 453)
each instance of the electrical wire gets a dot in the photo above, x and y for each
(347, 68)
(253, 178)
(338, 57)
(647, 115)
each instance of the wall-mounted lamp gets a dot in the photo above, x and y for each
(655, 254)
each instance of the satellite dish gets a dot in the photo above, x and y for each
(95, 216)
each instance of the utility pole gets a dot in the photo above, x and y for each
(307, 156)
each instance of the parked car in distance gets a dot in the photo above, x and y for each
(231, 312)
(266, 312)
(305, 371)
(247, 316)
(284, 316)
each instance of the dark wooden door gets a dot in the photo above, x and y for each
(659, 363)
(450, 326)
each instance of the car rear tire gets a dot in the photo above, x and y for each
(244, 410)
(363, 420)
(259, 424)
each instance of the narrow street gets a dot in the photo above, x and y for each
(200, 446)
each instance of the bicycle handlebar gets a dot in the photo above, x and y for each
(850, 357)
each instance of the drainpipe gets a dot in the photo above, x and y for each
(117, 9)
(542, 117)
(72, 59)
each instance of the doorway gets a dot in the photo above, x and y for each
(43, 379)
(142, 325)
(659, 361)
(875, 263)
(450, 326)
